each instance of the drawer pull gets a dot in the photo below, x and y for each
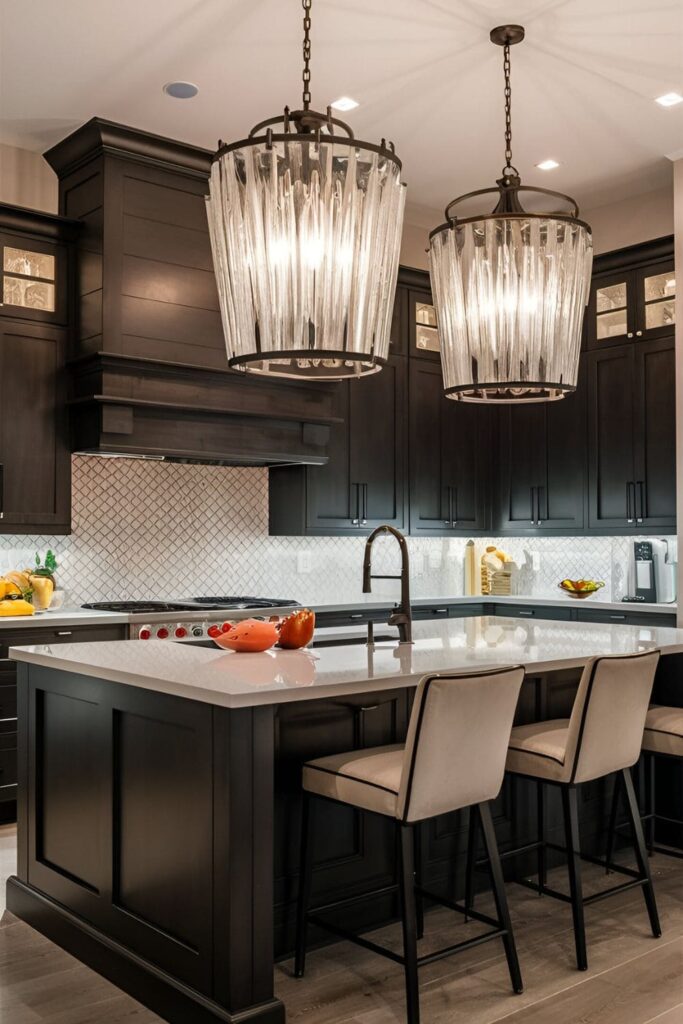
(519, 612)
(64, 632)
(441, 611)
(620, 617)
(356, 615)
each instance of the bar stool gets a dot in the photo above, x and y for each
(663, 738)
(454, 757)
(603, 735)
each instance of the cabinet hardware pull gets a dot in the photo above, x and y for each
(441, 611)
(639, 334)
(64, 632)
(640, 508)
(364, 518)
(2, 490)
(356, 521)
(356, 615)
(630, 334)
(533, 506)
(519, 612)
(454, 511)
(617, 616)
(369, 707)
(629, 506)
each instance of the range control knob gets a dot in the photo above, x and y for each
(197, 631)
(144, 633)
(180, 632)
(162, 633)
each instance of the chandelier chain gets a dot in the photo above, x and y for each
(307, 54)
(508, 107)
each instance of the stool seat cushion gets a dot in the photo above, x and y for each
(539, 749)
(664, 731)
(364, 778)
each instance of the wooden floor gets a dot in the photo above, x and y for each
(632, 978)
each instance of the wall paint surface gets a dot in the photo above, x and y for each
(27, 180)
(637, 219)
(160, 530)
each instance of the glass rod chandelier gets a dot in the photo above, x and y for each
(305, 224)
(510, 287)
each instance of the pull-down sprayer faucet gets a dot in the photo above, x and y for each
(402, 616)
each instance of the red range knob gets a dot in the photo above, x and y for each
(145, 633)
(181, 631)
(162, 632)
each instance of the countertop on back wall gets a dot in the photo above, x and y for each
(87, 617)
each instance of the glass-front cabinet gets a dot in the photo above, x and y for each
(424, 330)
(632, 305)
(32, 272)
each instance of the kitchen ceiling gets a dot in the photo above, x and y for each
(423, 71)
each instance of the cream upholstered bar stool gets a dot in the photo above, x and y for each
(663, 738)
(454, 757)
(603, 735)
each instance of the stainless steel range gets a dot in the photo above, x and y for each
(190, 619)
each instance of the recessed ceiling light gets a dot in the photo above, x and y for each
(344, 103)
(547, 165)
(181, 90)
(669, 99)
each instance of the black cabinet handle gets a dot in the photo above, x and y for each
(2, 491)
(640, 507)
(540, 490)
(356, 521)
(630, 501)
(364, 514)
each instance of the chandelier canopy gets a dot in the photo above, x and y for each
(305, 224)
(510, 286)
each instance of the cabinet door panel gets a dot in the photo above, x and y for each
(331, 500)
(561, 497)
(611, 436)
(655, 412)
(448, 442)
(521, 442)
(377, 407)
(33, 448)
(611, 311)
(656, 300)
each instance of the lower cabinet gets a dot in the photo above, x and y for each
(23, 637)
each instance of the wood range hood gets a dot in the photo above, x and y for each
(148, 368)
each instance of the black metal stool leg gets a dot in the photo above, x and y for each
(500, 897)
(641, 853)
(305, 875)
(612, 826)
(419, 902)
(409, 920)
(651, 808)
(540, 819)
(471, 857)
(571, 826)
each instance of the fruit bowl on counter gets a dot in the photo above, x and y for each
(580, 588)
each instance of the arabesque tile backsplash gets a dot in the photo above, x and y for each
(145, 529)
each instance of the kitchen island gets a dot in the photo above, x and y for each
(159, 793)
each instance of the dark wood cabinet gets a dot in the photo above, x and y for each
(632, 431)
(542, 459)
(450, 457)
(35, 460)
(632, 296)
(363, 483)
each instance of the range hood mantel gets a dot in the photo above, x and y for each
(149, 373)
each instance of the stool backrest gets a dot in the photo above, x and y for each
(608, 717)
(457, 741)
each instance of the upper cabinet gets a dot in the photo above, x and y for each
(450, 457)
(634, 302)
(542, 465)
(36, 252)
(363, 483)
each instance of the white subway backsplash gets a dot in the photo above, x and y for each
(160, 530)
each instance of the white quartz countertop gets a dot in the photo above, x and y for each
(88, 617)
(242, 680)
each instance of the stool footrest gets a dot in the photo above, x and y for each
(459, 908)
